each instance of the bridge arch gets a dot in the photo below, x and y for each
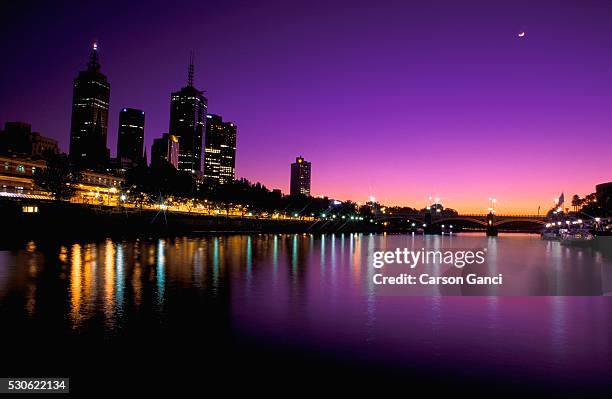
(478, 220)
(519, 220)
(460, 219)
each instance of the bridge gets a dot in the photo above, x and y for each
(491, 222)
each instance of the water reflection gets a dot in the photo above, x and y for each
(75, 284)
(318, 290)
(160, 272)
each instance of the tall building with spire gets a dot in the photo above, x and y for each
(89, 123)
(188, 109)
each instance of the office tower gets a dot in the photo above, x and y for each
(130, 139)
(165, 150)
(300, 177)
(88, 129)
(219, 151)
(188, 108)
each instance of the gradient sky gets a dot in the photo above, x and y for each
(400, 100)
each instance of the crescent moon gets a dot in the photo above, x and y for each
(522, 34)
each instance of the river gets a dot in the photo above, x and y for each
(261, 305)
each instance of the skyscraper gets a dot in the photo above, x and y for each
(219, 151)
(88, 128)
(165, 149)
(300, 177)
(188, 108)
(130, 139)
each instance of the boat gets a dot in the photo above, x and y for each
(577, 238)
(551, 235)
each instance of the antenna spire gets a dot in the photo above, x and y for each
(94, 62)
(190, 70)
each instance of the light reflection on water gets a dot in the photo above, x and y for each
(317, 291)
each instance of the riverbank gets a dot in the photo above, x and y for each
(42, 218)
(47, 219)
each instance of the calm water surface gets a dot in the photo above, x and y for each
(268, 299)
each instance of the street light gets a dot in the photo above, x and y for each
(492, 202)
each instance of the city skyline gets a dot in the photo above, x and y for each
(461, 110)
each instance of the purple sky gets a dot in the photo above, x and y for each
(400, 100)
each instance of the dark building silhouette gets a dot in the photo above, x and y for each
(188, 109)
(130, 139)
(603, 193)
(89, 124)
(165, 150)
(19, 139)
(300, 177)
(219, 151)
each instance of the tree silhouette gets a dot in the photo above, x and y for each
(59, 177)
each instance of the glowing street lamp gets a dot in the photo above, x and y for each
(492, 202)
